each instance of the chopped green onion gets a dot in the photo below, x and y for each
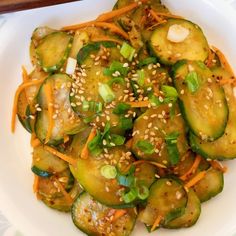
(145, 146)
(130, 196)
(94, 143)
(127, 51)
(98, 107)
(121, 108)
(135, 90)
(117, 80)
(143, 192)
(85, 106)
(127, 179)
(126, 123)
(169, 91)
(140, 80)
(117, 139)
(155, 101)
(147, 61)
(115, 67)
(172, 149)
(109, 172)
(106, 93)
(192, 81)
(88, 119)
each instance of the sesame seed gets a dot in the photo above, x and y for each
(38, 109)
(31, 117)
(168, 183)
(54, 116)
(182, 92)
(73, 104)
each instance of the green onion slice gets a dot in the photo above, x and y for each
(108, 171)
(127, 51)
(145, 146)
(106, 93)
(192, 81)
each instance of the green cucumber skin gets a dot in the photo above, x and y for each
(221, 131)
(60, 64)
(40, 173)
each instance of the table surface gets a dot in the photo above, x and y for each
(6, 228)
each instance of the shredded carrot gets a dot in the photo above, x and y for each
(210, 58)
(113, 28)
(156, 223)
(118, 213)
(35, 142)
(138, 104)
(49, 97)
(66, 138)
(85, 151)
(195, 179)
(155, 16)
(63, 156)
(168, 15)
(18, 91)
(143, 19)
(106, 39)
(223, 60)
(121, 11)
(218, 166)
(192, 169)
(36, 184)
(129, 143)
(25, 75)
(63, 191)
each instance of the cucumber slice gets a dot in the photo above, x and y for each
(156, 133)
(205, 109)
(191, 214)
(23, 112)
(224, 147)
(167, 199)
(51, 195)
(93, 218)
(46, 162)
(106, 191)
(66, 122)
(53, 51)
(194, 47)
(211, 185)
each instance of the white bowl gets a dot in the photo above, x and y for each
(17, 201)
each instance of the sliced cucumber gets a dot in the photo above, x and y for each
(161, 125)
(93, 218)
(46, 162)
(53, 51)
(167, 199)
(23, 112)
(211, 185)
(50, 193)
(193, 47)
(224, 147)
(191, 214)
(205, 108)
(38, 34)
(65, 121)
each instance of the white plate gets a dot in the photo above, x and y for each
(16, 198)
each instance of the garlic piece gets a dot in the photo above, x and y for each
(177, 33)
(71, 65)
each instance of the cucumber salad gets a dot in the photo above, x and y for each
(130, 115)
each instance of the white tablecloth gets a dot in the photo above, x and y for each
(6, 228)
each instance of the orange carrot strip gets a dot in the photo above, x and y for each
(113, 28)
(192, 169)
(118, 213)
(223, 60)
(218, 166)
(129, 143)
(63, 191)
(155, 16)
(85, 151)
(36, 184)
(210, 58)
(49, 97)
(63, 156)
(110, 15)
(195, 179)
(106, 39)
(25, 75)
(138, 104)
(18, 91)
(156, 223)
(169, 15)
